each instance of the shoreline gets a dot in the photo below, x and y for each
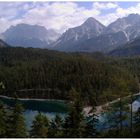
(31, 99)
(99, 109)
(87, 109)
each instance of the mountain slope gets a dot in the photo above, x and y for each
(129, 25)
(92, 36)
(102, 43)
(132, 48)
(3, 44)
(90, 28)
(29, 36)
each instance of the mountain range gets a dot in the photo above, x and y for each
(106, 39)
(29, 36)
(91, 36)
(131, 48)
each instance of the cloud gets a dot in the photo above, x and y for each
(119, 13)
(11, 13)
(106, 5)
(60, 15)
(133, 9)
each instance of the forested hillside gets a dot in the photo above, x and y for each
(40, 73)
(132, 64)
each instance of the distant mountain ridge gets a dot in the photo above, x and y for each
(29, 36)
(102, 38)
(131, 48)
(90, 28)
(91, 36)
(129, 25)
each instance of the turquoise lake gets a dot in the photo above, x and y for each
(52, 107)
(33, 107)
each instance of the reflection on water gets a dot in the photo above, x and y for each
(32, 107)
(51, 108)
(30, 114)
(106, 120)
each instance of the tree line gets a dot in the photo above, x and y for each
(96, 80)
(12, 123)
(74, 125)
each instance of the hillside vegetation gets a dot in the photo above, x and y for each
(40, 73)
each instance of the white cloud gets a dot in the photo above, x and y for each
(59, 15)
(119, 13)
(106, 5)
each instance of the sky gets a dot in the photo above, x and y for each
(63, 15)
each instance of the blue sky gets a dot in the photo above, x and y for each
(122, 4)
(63, 15)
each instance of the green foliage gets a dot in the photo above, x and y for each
(137, 118)
(137, 123)
(2, 120)
(16, 125)
(78, 77)
(39, 128)
(115, 133)
(56, 127)
(74, 125)
(49, 74)
(130, 65)
(2, 85)
(116, 114)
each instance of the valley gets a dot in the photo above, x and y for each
(75, 78)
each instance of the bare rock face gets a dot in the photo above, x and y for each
(130, 25)
(93, 36)
(90, 28)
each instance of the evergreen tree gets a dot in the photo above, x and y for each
(137, 118)
(74, 125)
(131, 114)
(39, 128)
(137, 123)
(116, 114)
(56, 127)
(16, 127)
(2, 121)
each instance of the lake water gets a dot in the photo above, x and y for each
(32, 107)
(104, 119)
(51, 108)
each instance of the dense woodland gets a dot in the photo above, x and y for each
(40, 73)
(84, 78)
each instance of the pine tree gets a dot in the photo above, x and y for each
(137, 117)
(137, 123)
(2, 121)
(56, 127)
(74, 125)
(39, 128)
(131, 114)
(16, 127)
(117, 113)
